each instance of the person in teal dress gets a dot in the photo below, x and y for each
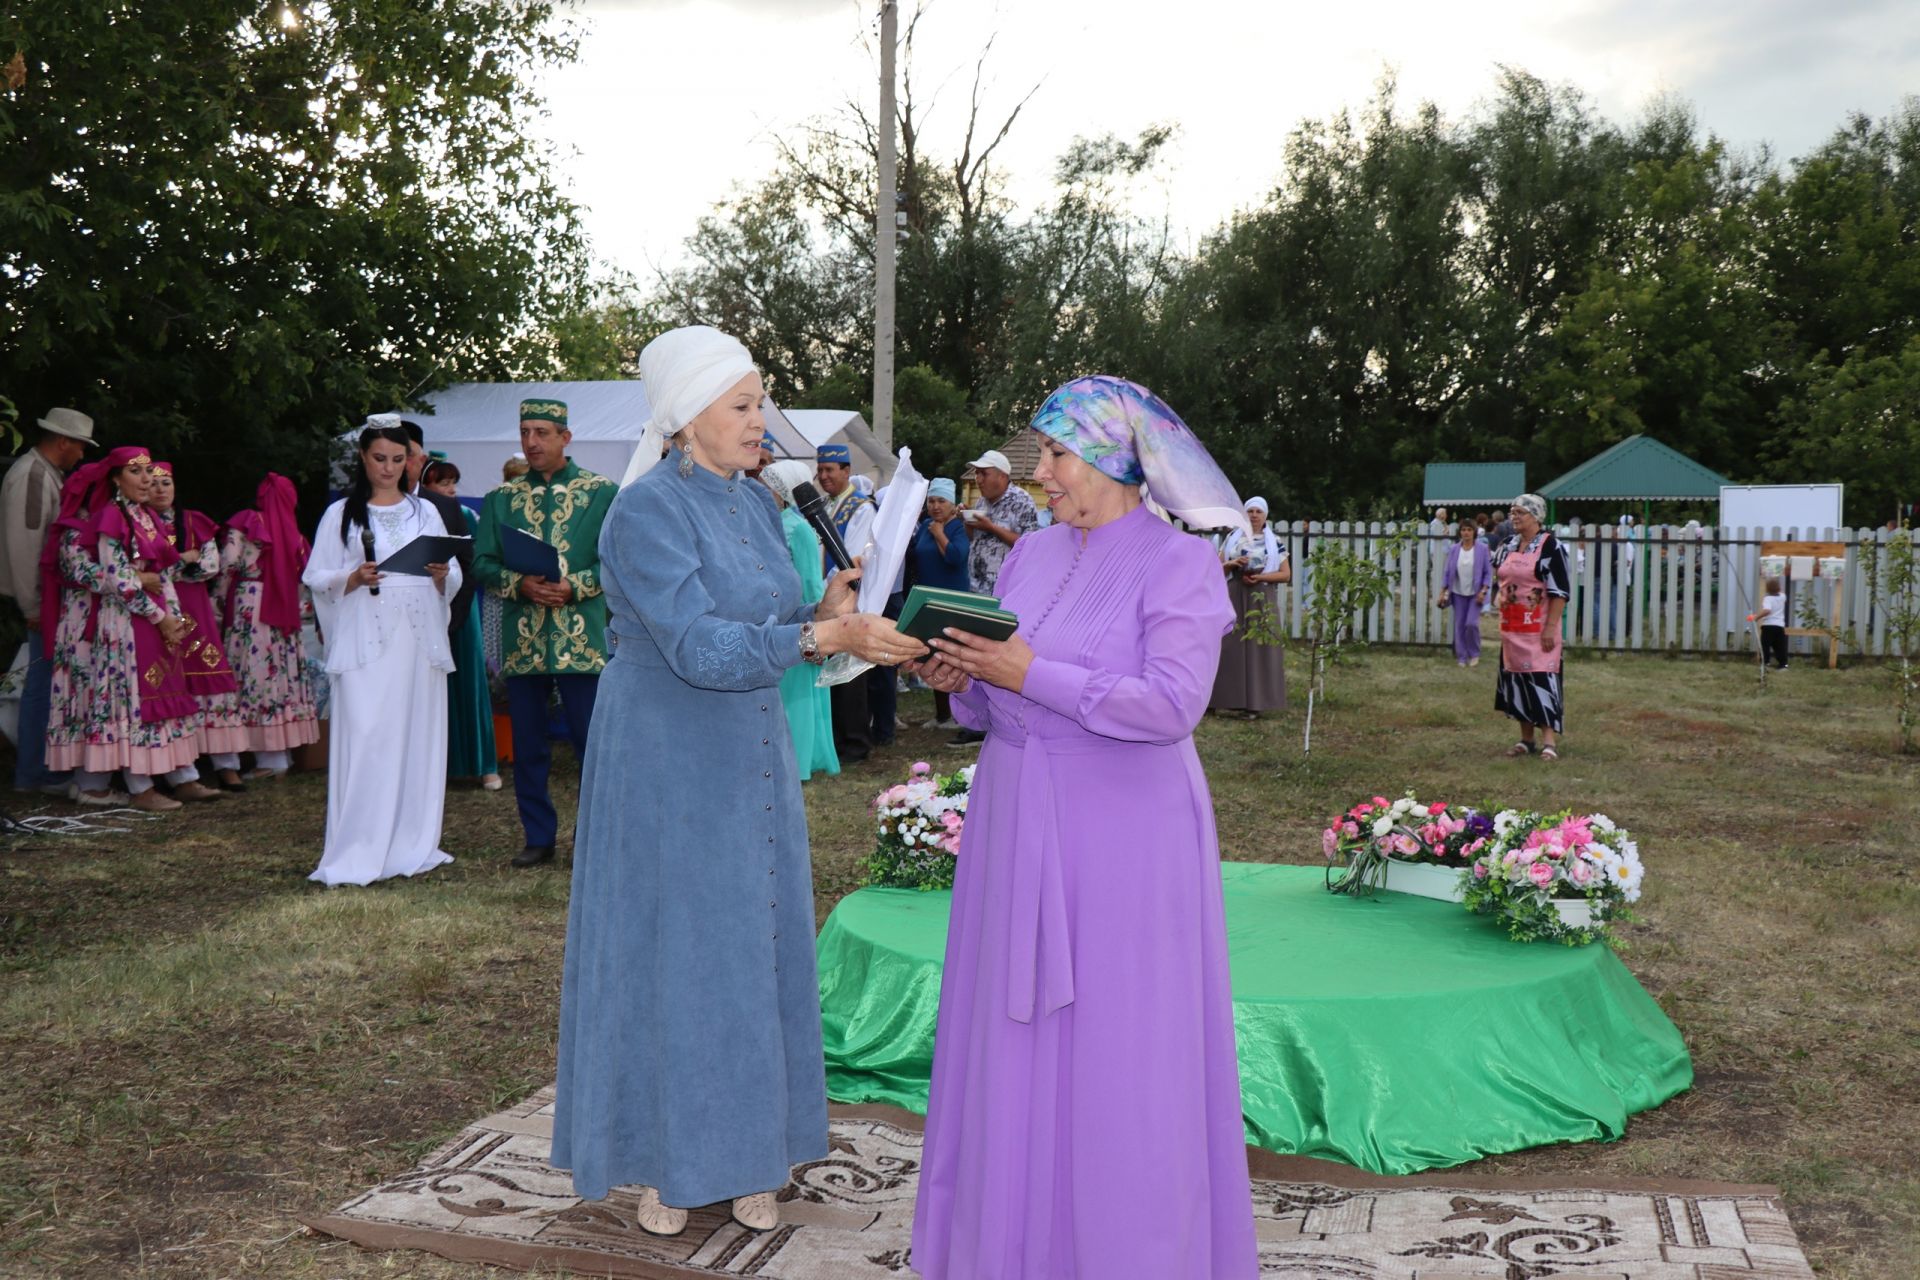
(689, 1059)
(471, 752)
(809, 707)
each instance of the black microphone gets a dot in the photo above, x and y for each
(813, 508)
(366, 545)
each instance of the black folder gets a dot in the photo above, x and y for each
(428, 548)
(527, 555)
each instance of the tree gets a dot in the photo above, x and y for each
(1668, 336)
(230, 231)
(1858, 424)
(1338, 313)
(930, 416)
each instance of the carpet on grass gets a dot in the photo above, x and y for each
(489, 1196)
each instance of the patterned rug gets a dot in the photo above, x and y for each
(488, 1196)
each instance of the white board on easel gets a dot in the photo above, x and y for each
(1807, 509)
(1811, 509)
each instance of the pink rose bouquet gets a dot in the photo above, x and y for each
(919, 824)
(1563, 876)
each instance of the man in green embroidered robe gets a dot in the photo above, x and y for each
(552, 633)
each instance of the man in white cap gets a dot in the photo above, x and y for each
(1005, 512)
(29, 501)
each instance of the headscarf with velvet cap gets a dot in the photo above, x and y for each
(106, 518)
(73, 515)
(283, 552)
(683, 370)
(1129, 434)
(191, 528)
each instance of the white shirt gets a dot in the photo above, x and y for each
(357, 625)
(1463, 572)
(1773, 611)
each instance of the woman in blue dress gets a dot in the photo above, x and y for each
(690, 1061)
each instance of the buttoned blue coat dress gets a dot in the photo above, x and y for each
(690, 1053)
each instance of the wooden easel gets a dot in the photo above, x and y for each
(1818, 551)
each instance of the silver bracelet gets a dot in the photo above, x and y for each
(810, 645)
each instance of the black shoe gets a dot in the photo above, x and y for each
(967, 738)
(533, 855)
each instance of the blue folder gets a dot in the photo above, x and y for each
(528, 556)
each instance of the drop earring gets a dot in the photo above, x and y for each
(686, 461)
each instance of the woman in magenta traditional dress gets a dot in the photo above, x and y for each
(260, 567)
(196, 539)
(1084, 1122)
(135, 714)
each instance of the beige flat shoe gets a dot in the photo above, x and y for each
(151, 801)
(757, 1212)
(490, 782)
(97, 799)
(657, 1219)
(197, 791)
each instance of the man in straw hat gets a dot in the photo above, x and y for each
(29, 501)
(553, 633)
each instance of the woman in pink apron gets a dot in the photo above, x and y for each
(1531, 589)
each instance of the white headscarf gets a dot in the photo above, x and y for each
(1269, 545)
(684, 370)
(783, 476)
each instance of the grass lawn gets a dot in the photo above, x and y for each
(196, 1044)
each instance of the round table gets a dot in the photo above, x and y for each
(1390, 1032)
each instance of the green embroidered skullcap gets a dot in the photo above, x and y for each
(554, 411)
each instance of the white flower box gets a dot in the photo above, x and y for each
(1575, 913)
(1424, 880)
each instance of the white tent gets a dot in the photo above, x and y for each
(843, 426)
(477, 426)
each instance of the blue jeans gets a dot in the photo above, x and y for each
(533, 751)
(36, 703)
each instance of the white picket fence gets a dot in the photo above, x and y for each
(1680, 590)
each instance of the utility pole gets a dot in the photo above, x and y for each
(884, 223)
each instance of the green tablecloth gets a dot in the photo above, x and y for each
(1393, 1033)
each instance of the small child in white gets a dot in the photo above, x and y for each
(1773, 625)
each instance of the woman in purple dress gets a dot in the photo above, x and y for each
(1085, 1111)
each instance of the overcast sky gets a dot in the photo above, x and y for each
(674, 102)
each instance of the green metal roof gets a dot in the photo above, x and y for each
(1474, 483)
(1639, 468)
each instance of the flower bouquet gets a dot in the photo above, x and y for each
(919, 822)
(1404, 845)
(1563, 876)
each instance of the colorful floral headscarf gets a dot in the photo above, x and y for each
(1130, 434)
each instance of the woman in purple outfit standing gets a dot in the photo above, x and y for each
(1465, 579)
(1085, 1122)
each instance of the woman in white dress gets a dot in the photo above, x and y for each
(387, 659)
